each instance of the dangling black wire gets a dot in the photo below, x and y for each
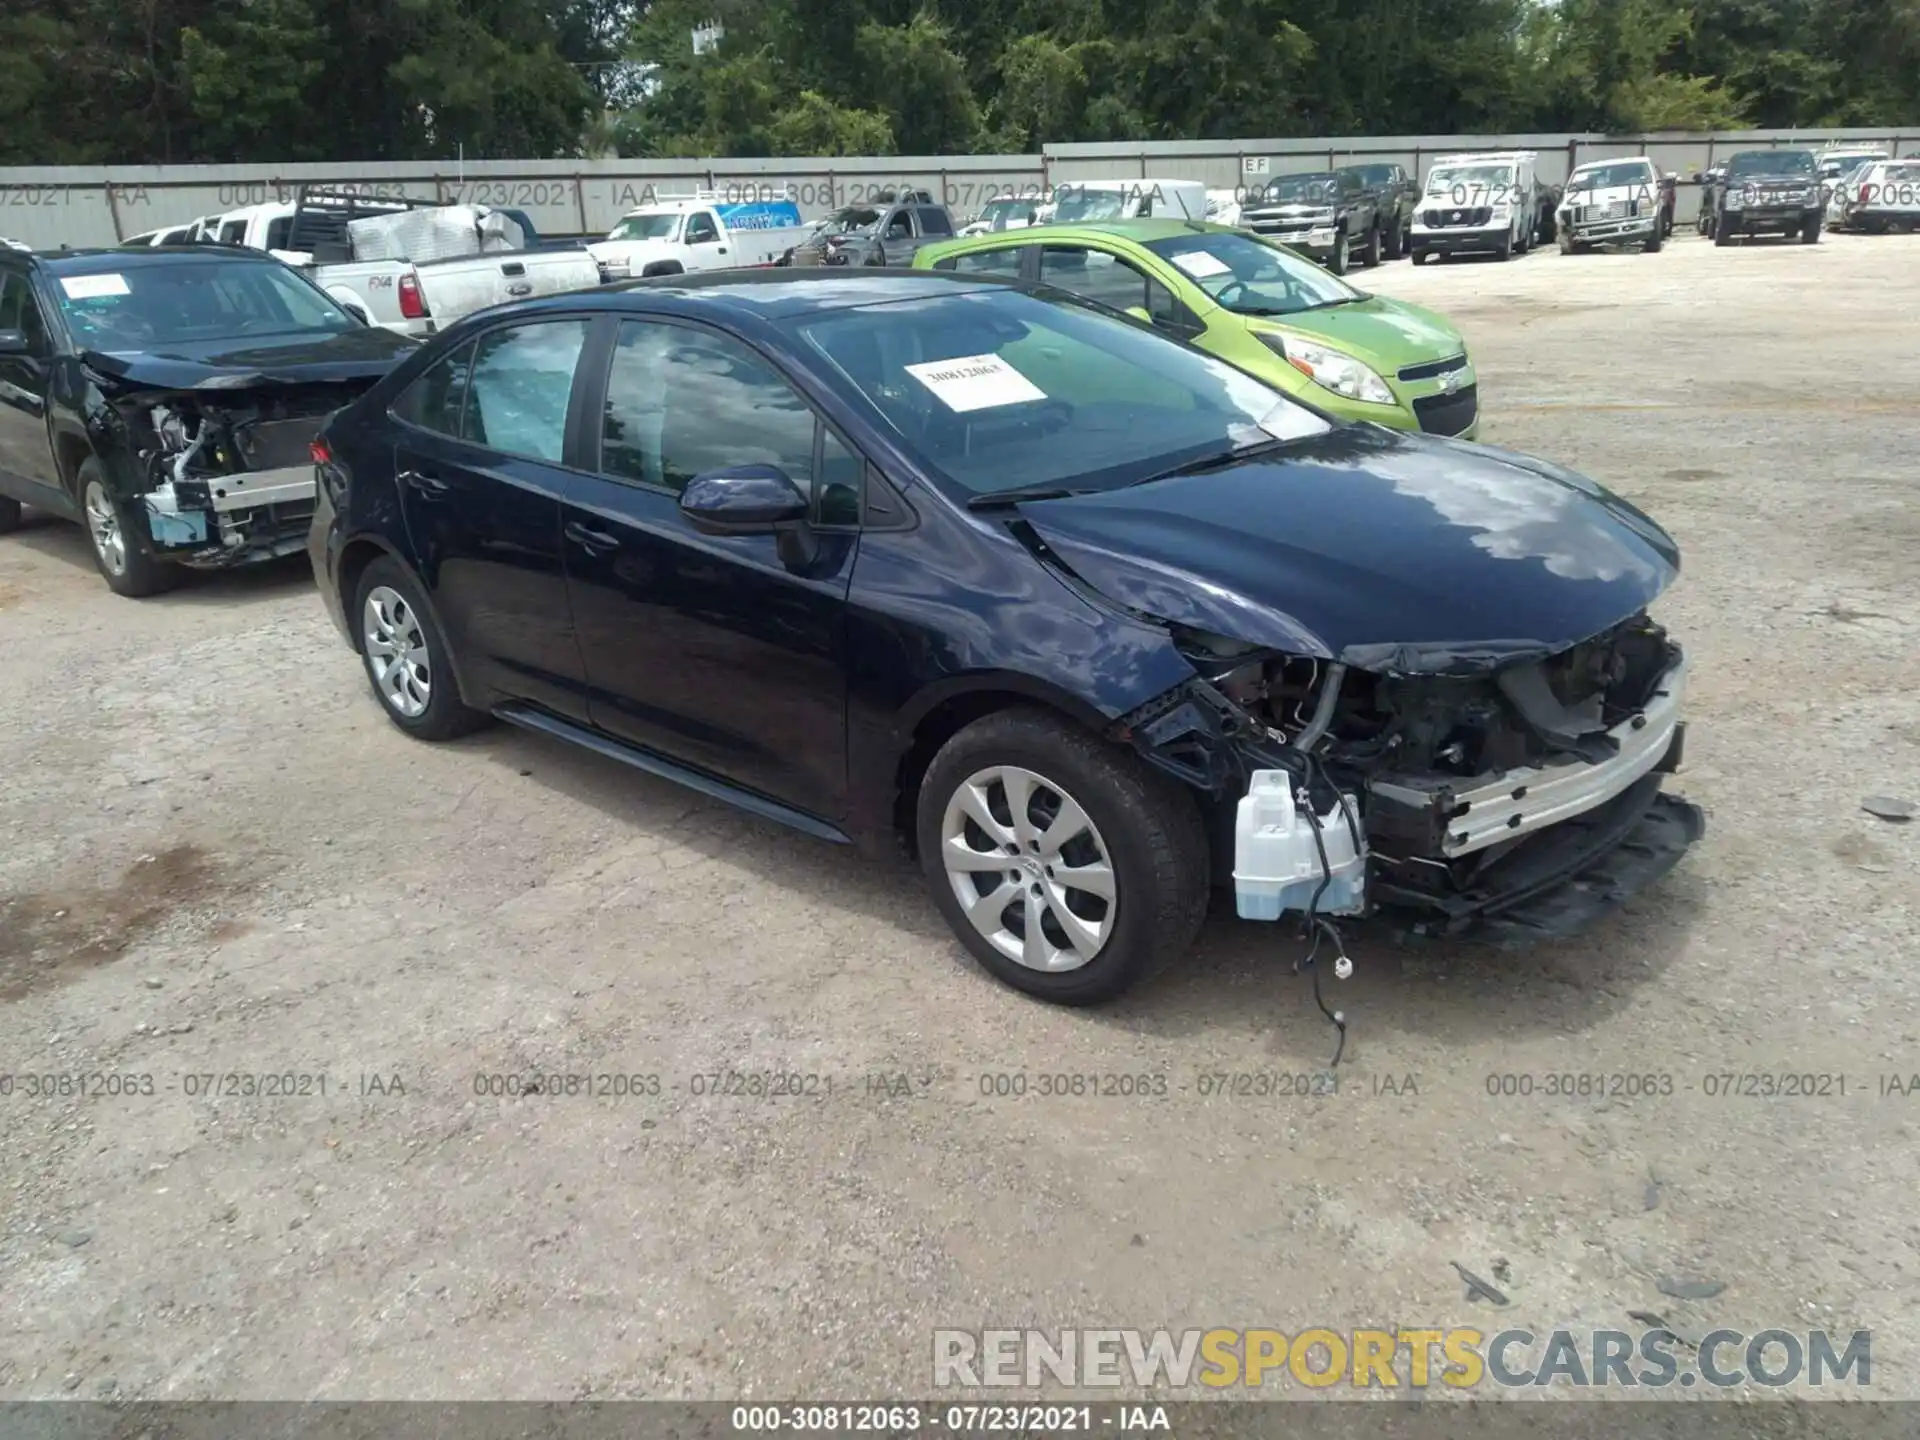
(1314, 925)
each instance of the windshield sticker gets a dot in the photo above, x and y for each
(92, 287)
(976, 382)
(1200, 265)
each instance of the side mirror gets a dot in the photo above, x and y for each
(743, 500)
(13, 342)
(1139, 312)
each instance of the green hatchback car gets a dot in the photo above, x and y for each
(1253, 303)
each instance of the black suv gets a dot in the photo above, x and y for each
(1328, 214)
(165, 398)
(1769, 192)
(1395, 195)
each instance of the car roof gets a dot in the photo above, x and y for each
(1141, 232)
(777, 294)
(134, 257)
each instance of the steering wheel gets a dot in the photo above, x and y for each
(1236, 285)
(129, 323)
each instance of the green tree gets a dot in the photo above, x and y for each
(920, 84)
(248, 73)
(814, 125)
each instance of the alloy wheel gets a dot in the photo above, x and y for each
(397, 652)
(103, 524)
(1029, 868)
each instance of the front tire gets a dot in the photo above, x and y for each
(1810, 232)
(1420, 257)
(1066, 866)
(1722, 233)
(1655, 240)
(1505, 248)
(121, 550)
(1339, 260)
(406, 656)
(1370, 257)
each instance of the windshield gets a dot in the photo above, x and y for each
(1605, 177)
(1001, 390)
(1471, 184)
(1076, 203)
(646, 227)
(850, 221)
(147, 306)
(1315, 189)
(1249, 276)
(998, 213)
(1771, 162)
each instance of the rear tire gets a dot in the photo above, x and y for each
(9, 515)
(406, 657)
(1394, 243)
(117, 535)
(1139, 837)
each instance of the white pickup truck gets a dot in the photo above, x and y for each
(498, 257)
(678, 234)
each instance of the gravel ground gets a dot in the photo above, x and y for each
(220, 859)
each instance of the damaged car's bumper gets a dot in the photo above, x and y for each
(1530, 852)
(1465, 819)
(207, 507)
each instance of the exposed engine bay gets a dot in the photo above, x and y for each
(1466, 796)
(229, 479)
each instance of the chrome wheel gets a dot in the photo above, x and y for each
(1029, 868)
(397, 652)
(103, 523)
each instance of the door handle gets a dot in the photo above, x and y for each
(426, 484)
(513, 267)
(723, 249)
(591, 539)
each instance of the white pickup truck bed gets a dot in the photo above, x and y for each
(416, 296)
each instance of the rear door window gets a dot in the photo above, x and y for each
(521, 386)
(1004, 261)
(437, 400)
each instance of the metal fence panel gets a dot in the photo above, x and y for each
(48, 206)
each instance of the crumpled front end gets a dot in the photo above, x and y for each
(1518, 802)
(220, 477)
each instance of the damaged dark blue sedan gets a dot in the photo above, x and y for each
(1089, 620)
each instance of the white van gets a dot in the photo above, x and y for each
(1084, 202)
(1483, 203)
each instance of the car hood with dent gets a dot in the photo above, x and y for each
(1389, 552)
(1387, 334)
(242, 363)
